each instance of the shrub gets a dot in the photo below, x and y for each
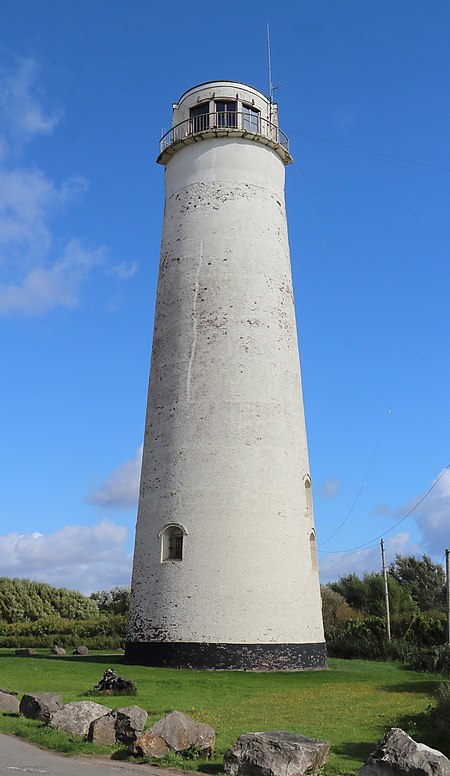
(22, 599)
(335, 609)
(103, 632)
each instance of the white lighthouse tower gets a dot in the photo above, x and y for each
(225, 566)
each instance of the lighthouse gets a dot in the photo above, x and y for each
(225, 572)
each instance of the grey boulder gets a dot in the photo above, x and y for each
(77, 717)
(8, 701)
(149, 745)
(123, 726)
(397, 754)
(277, 753)
(103, 730)
(81, 650)
(129, 723)
(40, 706)
(182, 733)
(55, 650)
(25, 652)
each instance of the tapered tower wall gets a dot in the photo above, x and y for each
(225, 454)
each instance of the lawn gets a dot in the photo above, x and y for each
(352, 704)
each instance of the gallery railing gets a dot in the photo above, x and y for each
(223, 123)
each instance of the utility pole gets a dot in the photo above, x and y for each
(386, 593)
(447, 575)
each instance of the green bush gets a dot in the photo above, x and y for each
(22, 599)
(102, 632)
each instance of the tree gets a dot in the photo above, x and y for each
(114, 601)
(335, 609)
(367, 594)
(25, 600)
(424, 580)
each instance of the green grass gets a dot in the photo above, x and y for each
(352, 704)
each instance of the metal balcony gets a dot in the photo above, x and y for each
(224, 124)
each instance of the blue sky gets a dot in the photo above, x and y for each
(85, 89)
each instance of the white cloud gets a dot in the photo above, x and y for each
(23, 114)
(382, 510)
(37, 272)
(79, 557)
(335, 565)
(57, 285)
(121, 489)
(329, 488)
(124, 271)
(432, 516)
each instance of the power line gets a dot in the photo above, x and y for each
(392, 157)
(388, 530)
(372, 460)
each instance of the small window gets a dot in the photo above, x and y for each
(308, 495)
(251, 120)
(226, 111)
(200, 117)
(172, 543)
(313, 551)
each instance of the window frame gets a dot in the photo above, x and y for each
(251, 115)
(172, 544)
(201, 121)
(222, 121)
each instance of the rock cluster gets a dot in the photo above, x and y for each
(113, 684)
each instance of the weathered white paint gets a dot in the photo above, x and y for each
(225, 452)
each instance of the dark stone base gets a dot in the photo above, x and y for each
(228, 657)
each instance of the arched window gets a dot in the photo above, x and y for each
(308, 495)
(172, 543)
(313, 551)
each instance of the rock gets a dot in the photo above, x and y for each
(113, 684)
(40, 706)
(77, 717)
(8, 702)
(276, 754)
(181, 733)
(130, 722)
(149, 745)
(103, 730)
(397, 753)
(81, 650)
(55, 650)
(25, 652)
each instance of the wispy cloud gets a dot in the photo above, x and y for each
(23, 115)
(57, 285)
(382, 510)
(329, 488)
(124, 271)
(82, 557)
(431, 518)
(121, 489)
(432, 515)
(334, 565)
(38, 273)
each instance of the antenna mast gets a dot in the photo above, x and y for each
(270, 73)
